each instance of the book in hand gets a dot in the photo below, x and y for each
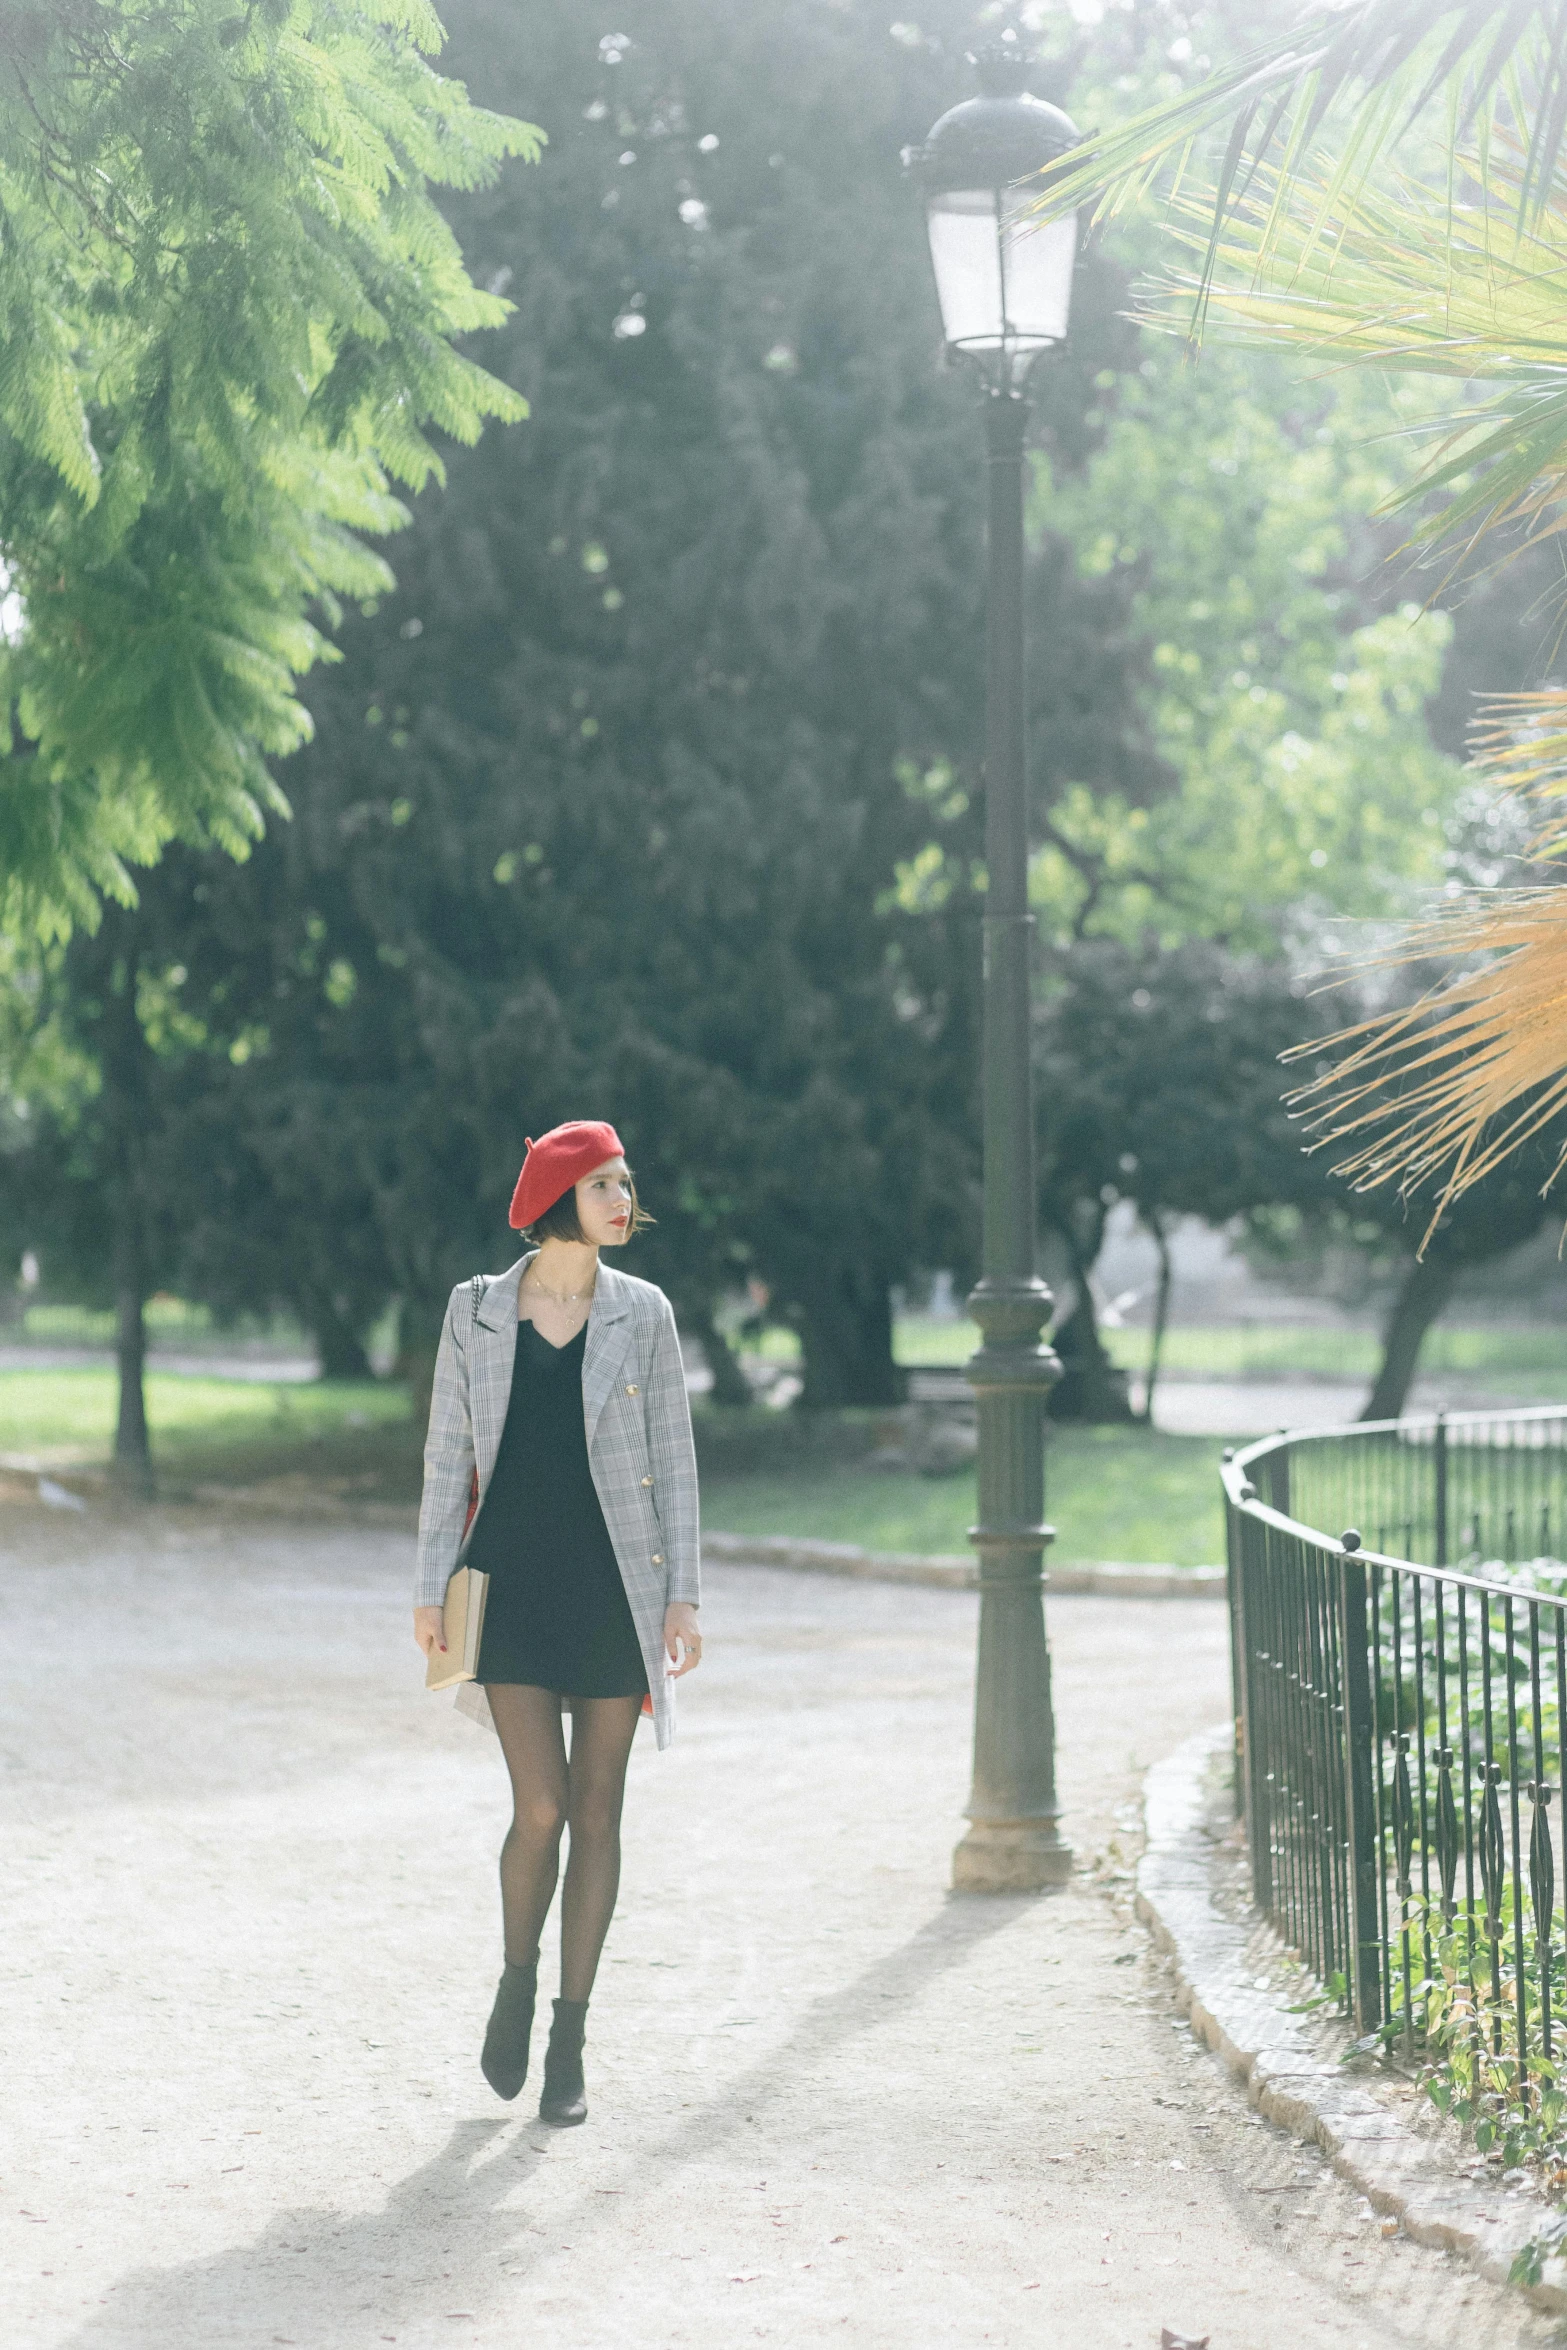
(462, 1623)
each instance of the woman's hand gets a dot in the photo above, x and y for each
(682, 1637)
(428, 1629)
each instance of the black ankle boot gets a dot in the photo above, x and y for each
(565, 2100)
(504, 2061)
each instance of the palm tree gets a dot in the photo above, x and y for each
(1447, 258)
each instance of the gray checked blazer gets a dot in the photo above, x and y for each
(639, 1447)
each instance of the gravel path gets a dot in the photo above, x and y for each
(1245, 1408)
(253, 1937)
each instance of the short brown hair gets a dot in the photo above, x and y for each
(560, 1221)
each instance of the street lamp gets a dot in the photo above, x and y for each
(1004, 283)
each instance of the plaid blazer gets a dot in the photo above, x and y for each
(640, 1451)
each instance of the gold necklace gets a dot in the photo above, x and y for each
(558, 1297)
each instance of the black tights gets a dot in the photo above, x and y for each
(549, 1794)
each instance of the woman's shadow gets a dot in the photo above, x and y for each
(323, 2279)
(328, 2280)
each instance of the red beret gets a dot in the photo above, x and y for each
(558, 1160)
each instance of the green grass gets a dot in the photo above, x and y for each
(200, 1426)
(166, 1317)
(1113, 1493)
(1533, 1355)
(171, 1323)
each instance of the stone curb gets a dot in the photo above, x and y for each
(1400, 2172)
(953, 1573)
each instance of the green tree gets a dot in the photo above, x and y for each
(229, 305)
(1158, 1082)
(611, 807)
(1483, 1223)
(134, 1158)
(1308, 240)
(654, 789)
(1291, 677)
(87, 1176)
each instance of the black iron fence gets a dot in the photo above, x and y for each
(1399, 1641)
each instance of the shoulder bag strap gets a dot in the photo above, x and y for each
(476, 1290)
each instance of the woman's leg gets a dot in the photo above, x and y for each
(602, 1729)
(535, 1749)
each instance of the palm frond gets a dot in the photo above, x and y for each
(1443, 1090)
(1406, 281)
(1440, 1093)
(1401, 277)
(1521, 743)
(1277, 180)
(1376, 66)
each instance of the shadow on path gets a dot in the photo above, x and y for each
(325, 2280)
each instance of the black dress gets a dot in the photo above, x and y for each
(557, 1616)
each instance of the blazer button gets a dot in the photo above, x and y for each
(647, 1480)
(633, 1391)
(658, 1558)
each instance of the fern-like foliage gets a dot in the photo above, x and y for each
(229, 312)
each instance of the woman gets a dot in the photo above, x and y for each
(560, 1402)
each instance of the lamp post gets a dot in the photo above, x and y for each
(1004, 284)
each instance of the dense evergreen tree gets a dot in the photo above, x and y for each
(618, 805)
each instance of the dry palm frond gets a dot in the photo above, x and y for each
(1375, 66)
(1522, 743)
(1443, 1092)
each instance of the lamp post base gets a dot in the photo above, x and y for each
(1010, 1856)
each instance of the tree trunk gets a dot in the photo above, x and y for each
(1426, 1288)
(132, 1444)
(731, 1389)
(418, 1337)
(338, 1344)
(847, 1335)
(1090, 1388)
(126, 1106)
(1161, 1309)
